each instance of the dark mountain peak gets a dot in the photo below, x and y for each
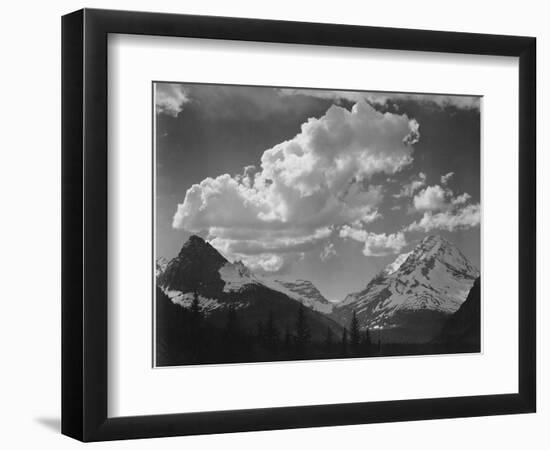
(194, 242)
(196, 239)
(197, 247)
(195, 268)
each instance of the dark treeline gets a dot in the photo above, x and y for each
(187, 336)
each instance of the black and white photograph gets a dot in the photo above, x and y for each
(275, 225)
(300, 224)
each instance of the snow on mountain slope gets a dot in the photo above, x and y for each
(394, 266)
(186, 299)
(236, 276)
(434, 277)
(160, 265)
(200, 267)
(303, 291)
(220, 285)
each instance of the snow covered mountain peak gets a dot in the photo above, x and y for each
(435, 276)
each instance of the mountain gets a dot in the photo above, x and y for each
(304, 291)
(411, 298)
(222, 285)
(195, 268)
(237, 276)
(462, 330)
(199, 264)
(160, 265)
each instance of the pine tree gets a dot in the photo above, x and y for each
(329, 340)
(303, 333)
(195, 332)
(287, 345)
(271, 335)
(231, 334)
(367, 342)
(345, 342)
(260, 334)
(231, 323)
(195, 307)
(354, 333)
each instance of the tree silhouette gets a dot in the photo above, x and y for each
(345, 342)
(329, 340)
(366, 342)
(354, 333)
(287, 344)
(260, 333)
(231, 322)
(271, 335)
(303, 333)
(231, 334)
(195, 307)
(195, 332)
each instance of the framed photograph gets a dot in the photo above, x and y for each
(274, 225)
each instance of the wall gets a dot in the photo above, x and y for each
(30, 178)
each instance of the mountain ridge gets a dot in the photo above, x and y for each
(230, 276)
(418, 290)
(220, 285)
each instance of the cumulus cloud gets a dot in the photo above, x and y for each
(463, 198)
(443, 210)
(328, 252)
(445, 178)
(439, 198)
(170, 98)
(375, 244)
(409, 189)
(466, 217)
(430, 199)
(321, 178)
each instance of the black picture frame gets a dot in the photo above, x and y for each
(84, 224)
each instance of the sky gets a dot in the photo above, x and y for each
(324, 185)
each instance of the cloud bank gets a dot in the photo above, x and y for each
(442, 101)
